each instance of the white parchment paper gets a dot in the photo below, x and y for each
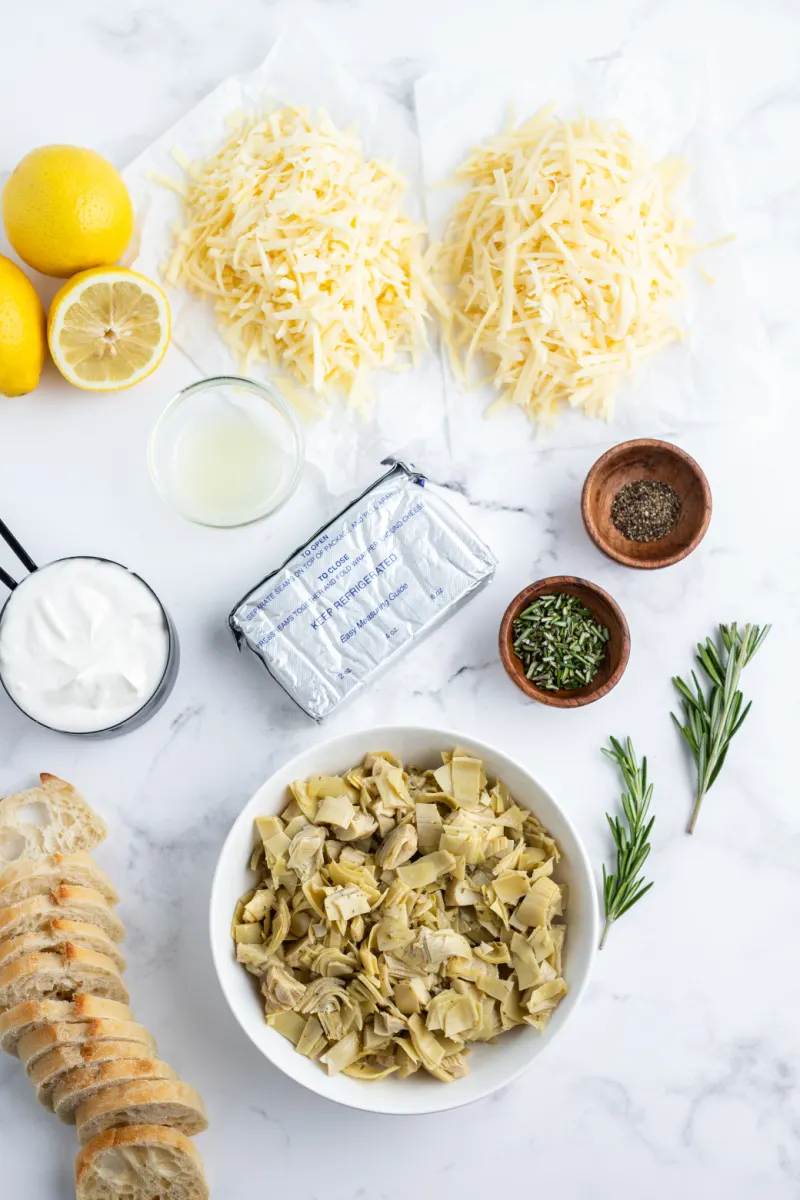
(719, 372)
(345, 447)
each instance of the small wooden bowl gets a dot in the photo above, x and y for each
(646, 458)
(603, 608)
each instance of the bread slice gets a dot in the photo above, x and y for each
(86, 1038)
(49, 1070)
(161, 1102)
(64, 902)
(78, 1086)
(38, 876)
(54, 934)
(58, 975)
(142, 1162)
(51, 819)
(34, 1015)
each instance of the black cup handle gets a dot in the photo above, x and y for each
(20, 552)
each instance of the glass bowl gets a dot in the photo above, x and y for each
(227, 451)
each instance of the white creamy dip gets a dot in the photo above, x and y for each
(83, 645)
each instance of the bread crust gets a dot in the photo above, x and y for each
(32, 1015)
(174, 1104)
(33, 877)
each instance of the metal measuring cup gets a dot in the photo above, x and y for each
(151, 706)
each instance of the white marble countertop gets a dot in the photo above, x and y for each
(679, 1073)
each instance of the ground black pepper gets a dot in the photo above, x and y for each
(645, 510)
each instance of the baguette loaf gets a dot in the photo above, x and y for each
(36, 877)
(34, 1015)
(161, 1102)
(85, 1038)
(51, 819)
(79, 1085)
(52, 1067)
(64, 902)
(58, 975)
(143, 1162)
(54, 934)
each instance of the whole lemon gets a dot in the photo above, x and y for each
(66, 209)
(22, 332)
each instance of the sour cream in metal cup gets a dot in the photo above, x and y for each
(86, 646)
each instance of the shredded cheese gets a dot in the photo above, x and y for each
(564, 260)
(303, 247)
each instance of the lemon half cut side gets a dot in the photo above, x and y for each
(108, 329)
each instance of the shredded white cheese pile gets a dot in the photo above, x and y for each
(565, 258)
(302, 245)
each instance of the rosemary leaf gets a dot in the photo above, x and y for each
(626, 886)
(710, 722)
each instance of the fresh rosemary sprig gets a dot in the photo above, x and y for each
(622, 889)
(712, 720)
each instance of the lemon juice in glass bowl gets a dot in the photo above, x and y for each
(227, 451)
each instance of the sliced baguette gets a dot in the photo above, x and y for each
(54, 934)
(78, 1086)
(85, 1038)
(51, 819)
(34, 1015)
(63, 903)
(58, 975)
(36, 877)
(142, 1162)
(161, 1102)
(51, 1068)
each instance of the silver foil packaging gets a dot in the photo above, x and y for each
(384, 572)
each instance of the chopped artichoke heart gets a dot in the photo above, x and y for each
(345, 902)
(400, 916)
(336, 810)
(427, 869)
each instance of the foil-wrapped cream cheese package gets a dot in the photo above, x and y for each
(389, 568)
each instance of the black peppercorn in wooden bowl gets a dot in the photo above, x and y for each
(645, 459)
(604, 610)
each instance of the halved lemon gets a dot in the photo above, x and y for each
(108, 328)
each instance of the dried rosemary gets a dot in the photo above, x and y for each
(560, 643)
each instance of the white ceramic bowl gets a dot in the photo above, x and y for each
(490, 1067)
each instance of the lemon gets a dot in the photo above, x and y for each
(66, 209)
(108, 328)
(22, 332)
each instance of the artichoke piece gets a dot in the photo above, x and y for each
(411, 995)
(342, 903)
(452, 1013)
(279, 928)
(280, 989)
(274, 839)
(333, 850)
(336, 810)
(387, 1025)
(305, 851)
(436, 946)
(557, 935)
(255, 958)
(304, 801)
(342, 1054)
(493, 952)
(372, 1067)
(332, 964)
(361, 826)
(300, 923)
(312, 1040)
(250, 934)
(542, 903)
(427, 869)
(290, 1024)
(526, 967)
(429, 1049)
(541, 941)
(393, 933)
(458, 892)
(467, 778)
(397, 847)
(321, 786)
(511, 886)
(545, 998)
